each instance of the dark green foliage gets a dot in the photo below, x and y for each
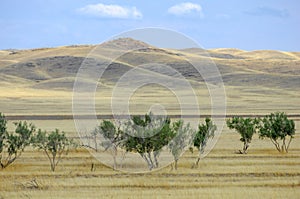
(24, 132)
(109, 131)
(54, 144)
(13, 144)
(3, 131)
(246, 127)
(182, 140)
(204, 133)
(139, 121)
(147, 136)
(276, 127)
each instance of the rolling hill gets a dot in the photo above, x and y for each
(250, 78)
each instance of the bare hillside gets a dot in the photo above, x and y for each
(252, 79)
(48, 65)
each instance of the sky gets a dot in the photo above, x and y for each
(248, 24)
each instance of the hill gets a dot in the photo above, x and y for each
(249, 77)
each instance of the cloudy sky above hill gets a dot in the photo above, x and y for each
(247, 24)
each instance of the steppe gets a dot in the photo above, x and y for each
(37, 85)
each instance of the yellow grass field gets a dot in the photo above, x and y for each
(262, 173)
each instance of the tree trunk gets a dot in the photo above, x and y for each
(8, 162)
(197, 162)
(95, 142)
(287, 147)
(123, 158)
(115, 157)
(245, 148)
(144, 156)
(198, 159)
(283, 146)
(175, 164)
(276, 144)
(93, 167)
(52, 167)
(150, 161)
(155, 155)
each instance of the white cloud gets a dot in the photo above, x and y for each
(111, 11)
(186, 8)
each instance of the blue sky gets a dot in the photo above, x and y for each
(247, 24)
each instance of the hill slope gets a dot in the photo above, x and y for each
(237, 67)
(246, 75)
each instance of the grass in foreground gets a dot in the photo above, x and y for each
(262, 173)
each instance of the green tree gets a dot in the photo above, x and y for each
(3, 132)
(113, 137)
(279, 129)
(3, 136)
(147, 136)
(13, 144)
(246, 127)
(183, 138)
(204, 133)
(54, 145)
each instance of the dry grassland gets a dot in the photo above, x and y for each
(40, 82)
(263, 173)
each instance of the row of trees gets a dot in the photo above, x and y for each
(145, 135)
(275, 126)
(12, 144)
(148, 135)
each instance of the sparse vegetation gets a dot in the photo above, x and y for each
(204, 133)
(221, 174)
(112, 137)
(147, 136)
(279, 129)
(182, 140)
(253, 80)
(13, 144)
(53, 144)
(217, 168)
(246, 127)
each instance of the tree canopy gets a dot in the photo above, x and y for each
(278, 128)
(246, 127)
